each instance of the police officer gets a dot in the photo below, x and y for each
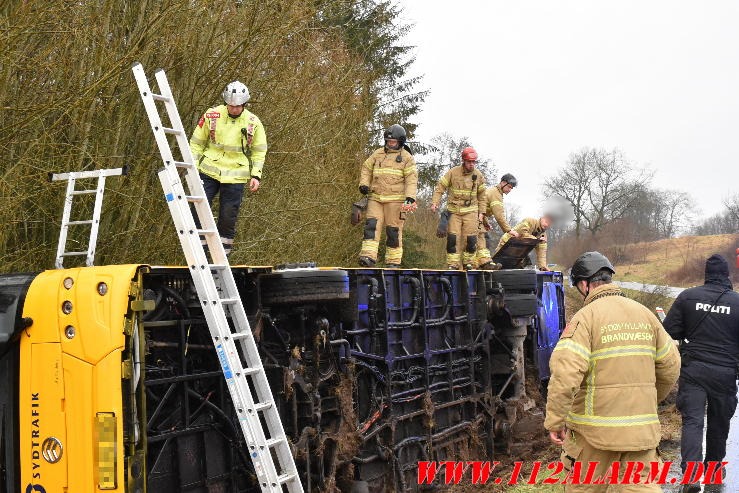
(229, 145)
(706, 320)
(613, 363)
(465, 188)
(390, 179)
(494, 197)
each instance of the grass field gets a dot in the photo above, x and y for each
(675, 261)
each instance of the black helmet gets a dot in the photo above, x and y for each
(510, 179)
(587, 265)
(395, 132)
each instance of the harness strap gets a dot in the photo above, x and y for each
(213, 122)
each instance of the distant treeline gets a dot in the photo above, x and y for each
(325, 77)
(616, 203)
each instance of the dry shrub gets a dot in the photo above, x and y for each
(566, 250)
(609, 241)
(636, 253)
(573, 301)
(689, 272)
(421, 247)
(652, 298)
(692, 269)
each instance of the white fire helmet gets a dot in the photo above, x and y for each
(236, 93)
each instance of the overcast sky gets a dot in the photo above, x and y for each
(530, 81)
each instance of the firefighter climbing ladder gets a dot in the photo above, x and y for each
(247, 383)
(94, 223)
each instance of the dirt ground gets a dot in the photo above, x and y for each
(529, 443)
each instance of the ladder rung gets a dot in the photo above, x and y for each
(229, 301)
(79, 175)
(79, 222)
(194, 198)
(262, 406)
(83, 192)
(70, 254)
(241, 335)
(250, 371)
(217, 266)
(172, 131)
(284, 478)
(181, 164)
(274, 441)
(159, 97)
(207, 231)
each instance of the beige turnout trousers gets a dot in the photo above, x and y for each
(461, 240)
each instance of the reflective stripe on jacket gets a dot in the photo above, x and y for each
(219, 143)
(494, 197)
(388, 179)
(613, 363)
(464, 195)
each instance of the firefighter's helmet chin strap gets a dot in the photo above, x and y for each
(393, 148)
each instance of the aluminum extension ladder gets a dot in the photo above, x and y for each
(94, 223)
(248, 385)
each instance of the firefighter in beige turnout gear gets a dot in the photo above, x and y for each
(611, 367)
(229, 145)
(389, 177)
(465, 187)
(531, 228)
(494, 197)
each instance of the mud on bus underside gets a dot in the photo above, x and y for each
(373, 371)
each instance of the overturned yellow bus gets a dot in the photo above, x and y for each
(110, 381)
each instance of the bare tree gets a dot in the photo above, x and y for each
(674, 214)
(615, 188)
(640, 223)
(656, 214)
(601, 186)
(572, 183)
(732, 206)
(721, 223)
(725, 222)
(513, 214)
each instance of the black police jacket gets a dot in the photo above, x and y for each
(707, 317)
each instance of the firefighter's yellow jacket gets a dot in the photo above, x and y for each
(494, 197)
(613, 363)
(230, 150)
(466, 191)
(530, 228)
(388, 179)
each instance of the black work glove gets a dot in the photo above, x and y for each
(363, 189)
(443, 228)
